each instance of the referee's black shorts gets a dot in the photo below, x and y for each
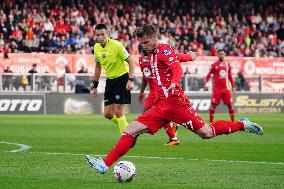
(115, 91)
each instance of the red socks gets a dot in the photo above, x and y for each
(170, 131)
(211, 114)
(226, 127)
(121, 148)
(232, 114)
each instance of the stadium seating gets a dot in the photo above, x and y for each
(246, 28)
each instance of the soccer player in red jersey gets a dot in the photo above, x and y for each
(170, 104)
(222, 74)
(144, 62)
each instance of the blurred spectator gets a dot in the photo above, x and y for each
(48, 26)
(241, 82)
(31, 76)
(70, 78)
(8, 79)
(82, 81)
(5, 51)
(17, 83)
(45, 83)
(184, 78)
(24, 82)
(194, 82)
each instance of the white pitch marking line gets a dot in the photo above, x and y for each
(165, 158)
(22, 148)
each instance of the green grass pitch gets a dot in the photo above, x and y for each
(59, 144)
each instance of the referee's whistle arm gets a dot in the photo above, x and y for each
(95, 92)
(129, 85)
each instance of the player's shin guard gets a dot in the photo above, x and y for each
(122, 123)
(121, 148)
(232, 114)
(170, 131)
(211, 114)
(226, 127)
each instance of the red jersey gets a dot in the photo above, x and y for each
(169, 105)
(166, 70)
(221, 75)
(144, 62)
(145, 66)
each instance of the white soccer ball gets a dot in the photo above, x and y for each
(124, 171)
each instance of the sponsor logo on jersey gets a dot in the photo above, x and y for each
(147, 72)
(222, 73)
(166, 52)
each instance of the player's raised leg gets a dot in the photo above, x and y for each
(251, 127)
(122, 147)
(196, 123)
(221, 127)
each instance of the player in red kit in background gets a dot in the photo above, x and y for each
(222, 74)
(171, 104)
(144, 63)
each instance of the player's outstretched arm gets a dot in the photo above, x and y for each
(190, 56)
(130, 83)
(231, 78)
(209, 74)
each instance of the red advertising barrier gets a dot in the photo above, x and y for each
(55, 63)
(51, 63)
(251, 66)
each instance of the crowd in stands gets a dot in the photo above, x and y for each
(241, 28)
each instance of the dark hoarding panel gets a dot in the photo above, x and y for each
(22, 103)
(87, 104)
